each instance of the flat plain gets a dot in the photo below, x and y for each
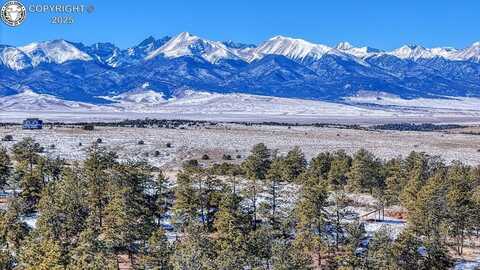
(236, 140)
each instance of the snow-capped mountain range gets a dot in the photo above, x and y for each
(280, 66)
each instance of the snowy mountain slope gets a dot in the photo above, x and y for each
(210, 105)
(417, 52)
(14, 58)
(455, 104)
(30, 101)
(57, 51)
(471, 53)
(360, 52)
(295, 49)
(186, 44)
(146, 47)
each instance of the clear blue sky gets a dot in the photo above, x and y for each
(384, 24)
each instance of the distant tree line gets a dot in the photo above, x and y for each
(272, 211)
(417, 127)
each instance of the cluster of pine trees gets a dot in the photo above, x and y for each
(272, 211)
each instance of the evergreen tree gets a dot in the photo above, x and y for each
(311, 218)
(364, 172)
(395, 181)
(274, 187)
(12, 230)
(63, 212)
(379, 253)
(339, 168)
(461, 208)
(410, 252)
(428, 216)
(293, 164)
(97, 168)
(26, 152)
(337, 218)
(286, 257)
(5, 168)
(195, 250)
(352, 256)
(91, 253)
(259, 248)
(418, 173)
(406, 251)
(163, 197)
(231, 225)
(320, 165)
(7, 260)
(157, 252)
(41, 254)
(185, 209)
(256, 167)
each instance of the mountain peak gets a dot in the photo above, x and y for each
(56, 51)
(293, 48)
(344, 46)
(147, 41)
(185, 44)
(185, 36)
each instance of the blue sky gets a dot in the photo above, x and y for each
(383, 24)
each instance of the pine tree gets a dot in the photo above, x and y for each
(117, 229)
(417, 166)
(293, 164)
(338, 210)
(379, 253)
(410, 252)
(339, 168)
(30, 178)
(231, 225)
(459, 203)
(209, 194)
(259, 248)
(31, 186)
(163, 197)
(26, 152)
(157, 253)
(63, 212)
(7, 260)
(185, 208)
(96, 169)
(5, 168)
(406, 251)
(437, 257)
(351, 256)
(364, 172)
(195, 250)
(91, 253)
(428, 215)
(286, 257)
(12, 230)
(320, 165)
(41, 254)
(274, 188)
(256, 167)
(311, 217)
(395, 181)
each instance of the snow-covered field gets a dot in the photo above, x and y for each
(142, 102)
(236, 139)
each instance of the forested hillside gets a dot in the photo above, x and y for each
(271, 211)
